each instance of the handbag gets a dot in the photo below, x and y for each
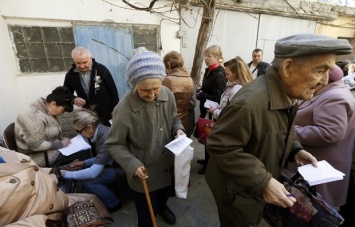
(67, 186)
(84, 214)
(310, 210)
(204, 127)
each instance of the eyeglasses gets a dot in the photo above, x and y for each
(80, 131)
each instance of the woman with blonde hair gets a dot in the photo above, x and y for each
(238, 75)
(213, 86)
(96, 173)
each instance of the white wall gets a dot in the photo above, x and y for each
(272, 28)
(234, 32)
(17, 89)
(8, 88)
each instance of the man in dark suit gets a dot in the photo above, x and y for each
(93, 84)
(257, 66)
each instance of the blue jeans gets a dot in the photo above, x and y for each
(100, 187)
(158, 198)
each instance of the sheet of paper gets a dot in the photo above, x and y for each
(319, 175)
(210, 104)
(76, 144)
(179, 144)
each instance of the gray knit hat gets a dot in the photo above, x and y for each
(310, 44)
(143, 65)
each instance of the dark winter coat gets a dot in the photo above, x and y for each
(213, 86)
(103, 98)
(249, 144)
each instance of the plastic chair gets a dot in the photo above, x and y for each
(10, 141)
(9, 137)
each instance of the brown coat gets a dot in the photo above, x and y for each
(180, 83)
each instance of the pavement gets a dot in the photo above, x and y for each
(198, 209)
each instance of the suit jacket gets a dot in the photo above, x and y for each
(103, 98)
(261, 67)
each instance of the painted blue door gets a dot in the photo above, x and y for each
(110, 45)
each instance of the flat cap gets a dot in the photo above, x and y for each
(310, 44)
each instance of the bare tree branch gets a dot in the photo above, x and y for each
(149, 8)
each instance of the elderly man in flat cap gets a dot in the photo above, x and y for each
(254, 136)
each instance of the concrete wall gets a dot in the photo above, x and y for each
(251, 24)
(18, 89)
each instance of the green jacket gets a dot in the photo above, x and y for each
(249, 143)
(138, 134)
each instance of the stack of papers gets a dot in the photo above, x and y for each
(319, 175)
(76, 144)
(210, 104)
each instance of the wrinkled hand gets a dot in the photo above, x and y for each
(141, 172)
(276, 193)
(179, 132)
(65, 141)
(63, 172)
(79, 102)
(77, 165)
(303, 157)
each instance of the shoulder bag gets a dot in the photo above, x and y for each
(310, 210)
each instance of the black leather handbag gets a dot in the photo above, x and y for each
(67, 186)
(310, 210)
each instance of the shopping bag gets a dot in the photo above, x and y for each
(204, 127)
(182, 171)
(310, 210)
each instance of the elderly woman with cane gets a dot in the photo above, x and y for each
(144, 121)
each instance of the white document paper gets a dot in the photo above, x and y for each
(319, 175)
(179, 144)
(210, 104)
(76, 144)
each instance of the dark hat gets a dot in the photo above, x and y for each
(310, 44)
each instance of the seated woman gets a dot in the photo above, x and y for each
(38, 131)
(98, 172)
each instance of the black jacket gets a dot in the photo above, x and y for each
(104, 98)
(213, 86)
(261, 67)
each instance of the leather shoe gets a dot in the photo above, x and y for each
(202, 170)
(168, 215)
(201, 161)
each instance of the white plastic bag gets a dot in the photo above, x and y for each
(182, 171)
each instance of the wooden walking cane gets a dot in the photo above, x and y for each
(146, 191)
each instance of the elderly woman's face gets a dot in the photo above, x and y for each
(149, 89)
(302, 80)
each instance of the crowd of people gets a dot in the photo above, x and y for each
(295, 111)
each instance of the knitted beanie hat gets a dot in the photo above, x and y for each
(143, 65)
(336, 74)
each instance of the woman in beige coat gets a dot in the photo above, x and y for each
(29, 194)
